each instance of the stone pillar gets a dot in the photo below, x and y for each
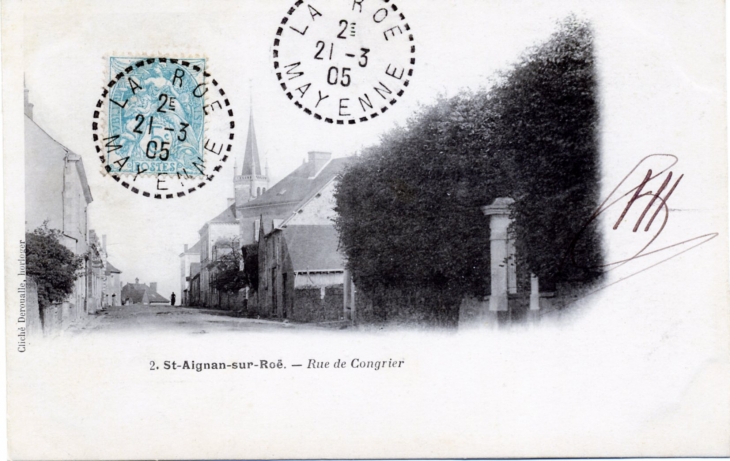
(346, 313)
(502, 253)
(534, 294)
(348, 296)
(353, 312)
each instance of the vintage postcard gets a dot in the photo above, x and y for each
(365, 229)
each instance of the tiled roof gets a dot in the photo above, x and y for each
(195, 248)
(313, 248)
(110, 269)
(298, 185)
(155, 297)
(228, 216)
(136, 291)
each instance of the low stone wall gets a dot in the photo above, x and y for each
(311, 306)
(407, 307)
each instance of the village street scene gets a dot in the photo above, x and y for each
(455, 219)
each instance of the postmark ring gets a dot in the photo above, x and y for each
(163, 127)
(344, 62)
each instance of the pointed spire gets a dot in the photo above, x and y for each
(251, 163)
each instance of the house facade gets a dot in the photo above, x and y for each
(292, 223)
(217, 236)
(301, 268)
(113, 285)
(188, 257)
(301, 274)
(193, 290)
(57, 193)
(95, 274)
(288, 195)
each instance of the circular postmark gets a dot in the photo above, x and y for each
(344, 62)
(163, 127)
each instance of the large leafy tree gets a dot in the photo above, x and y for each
(227, 269)
(408, 220)
(53, 266)
(548, 129)
(235, 267)
(409, 211)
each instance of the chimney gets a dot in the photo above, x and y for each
(136, 281)
(316, 161)
(186, 248)
(153, 286)
(103, 242)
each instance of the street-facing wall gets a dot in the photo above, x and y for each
(314, 304)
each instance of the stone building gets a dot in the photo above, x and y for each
(112, 292)
(217, 235)
(95, 274)
(301, 269)
(57, 192)
(301, 273)
(305, 197)
(189, 256)
(288, 195)
(113, 285)
(193, 290)
(141, 293)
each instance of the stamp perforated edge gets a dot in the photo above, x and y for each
(100, 120)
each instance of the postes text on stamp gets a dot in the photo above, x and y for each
(163, 126)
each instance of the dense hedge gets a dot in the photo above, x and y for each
(409, 210)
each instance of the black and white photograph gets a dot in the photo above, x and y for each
(245, 229)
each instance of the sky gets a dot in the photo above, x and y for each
(657, 94)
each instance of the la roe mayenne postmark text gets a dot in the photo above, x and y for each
(163, 126)
(344, 62)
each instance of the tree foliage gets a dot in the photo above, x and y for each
(409, 212)
(547, 126)
(54, 267)
(227, 274)
(251, 265)
(234, 268)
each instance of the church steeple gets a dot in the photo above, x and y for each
(250, 181)
(251, 162)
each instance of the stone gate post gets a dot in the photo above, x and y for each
(502, 249)
(348, 294)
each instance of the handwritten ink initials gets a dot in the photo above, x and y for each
(638, 194)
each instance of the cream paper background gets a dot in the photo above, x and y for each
(640, 369)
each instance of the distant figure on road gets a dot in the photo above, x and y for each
(172, 299)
